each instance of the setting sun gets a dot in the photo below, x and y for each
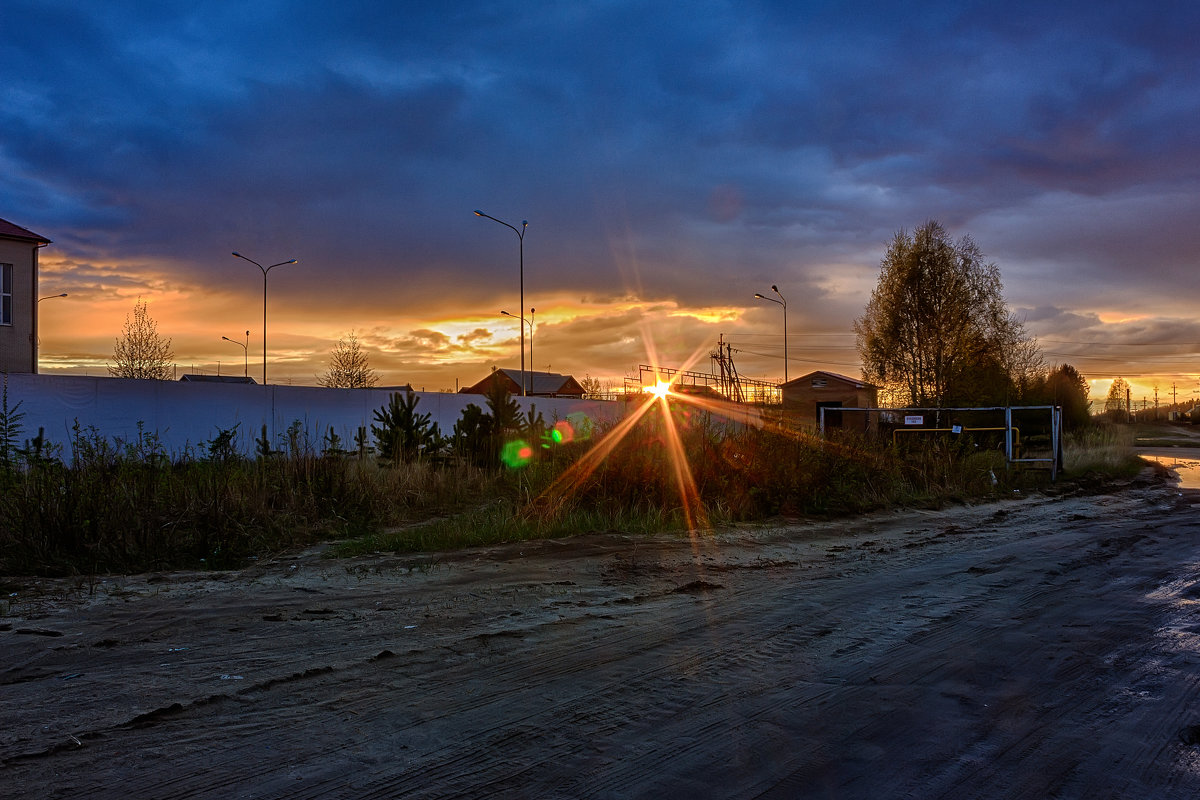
(660, 389)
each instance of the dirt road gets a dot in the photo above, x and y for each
(1033, 648)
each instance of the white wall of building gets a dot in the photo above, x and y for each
(189, 415)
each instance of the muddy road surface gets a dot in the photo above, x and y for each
(1032, 648)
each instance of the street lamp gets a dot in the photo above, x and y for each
(532, 368)
(245, 353)
(783, 303)
(36, 325)
(265, 270)
(521, 236)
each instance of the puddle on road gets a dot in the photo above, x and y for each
(1184, 462)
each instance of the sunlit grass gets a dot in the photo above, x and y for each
(1101, 450)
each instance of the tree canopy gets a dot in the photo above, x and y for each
(1116, 404)
(937, 331)
(140, 351)
(1065, 387)
(349, 367)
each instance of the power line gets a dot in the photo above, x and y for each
(793, 333)
(794, 360)
(1164, 358)
(1123, 344)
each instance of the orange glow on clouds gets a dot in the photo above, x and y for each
(1119, 317)
(434, 345)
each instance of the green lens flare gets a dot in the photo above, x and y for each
(516, 453)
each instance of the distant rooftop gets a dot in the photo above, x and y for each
(541, 384)
(216, 379)
(856, 382)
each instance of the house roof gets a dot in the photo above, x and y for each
(855, 382)
(540, 383)
(191, 378)
(10, 231)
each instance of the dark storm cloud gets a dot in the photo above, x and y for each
(666, 150)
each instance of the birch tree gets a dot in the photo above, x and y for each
(349, 367)
(140, 351)
(936, 329)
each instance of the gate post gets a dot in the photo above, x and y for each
(1008, 438)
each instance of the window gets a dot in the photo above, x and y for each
(6, 294)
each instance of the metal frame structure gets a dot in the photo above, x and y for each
(732, 387)
(1010, 456)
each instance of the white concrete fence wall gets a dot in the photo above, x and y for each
(189, 415)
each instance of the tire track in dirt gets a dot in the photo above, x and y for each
(765, 663)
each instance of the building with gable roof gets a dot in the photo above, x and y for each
(18, 297)
(803, 398)
(541, 384)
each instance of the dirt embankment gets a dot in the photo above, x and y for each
(1041, 647)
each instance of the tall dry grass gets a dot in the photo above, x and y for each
(126, 506)
(1102, 449)
(732, 473)
(113, 508)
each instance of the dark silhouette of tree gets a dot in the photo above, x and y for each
(402, 434)
(506, 416)
(937, 331)
(1067, 388)
(348, 366)
(591, 386)
(1116, 404)
(140, 351)
(472, 435)
(480, 437)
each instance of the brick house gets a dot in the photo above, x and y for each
(803, 398)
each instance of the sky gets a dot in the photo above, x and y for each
(671, 159)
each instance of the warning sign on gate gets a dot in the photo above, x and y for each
(914, 419)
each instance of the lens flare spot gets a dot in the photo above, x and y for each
(516, 453)
(580, 425)
(562, 432)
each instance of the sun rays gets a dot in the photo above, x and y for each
(669, 409)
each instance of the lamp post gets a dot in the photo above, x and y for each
(36, 336)
(245, 353)
(783, 303)
(532, 368)
(521, 236)
(265, 270)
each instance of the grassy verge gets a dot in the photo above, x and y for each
(502, 522)
(730, 474)
(121, 514)
(127, 510)
(1101, 452)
